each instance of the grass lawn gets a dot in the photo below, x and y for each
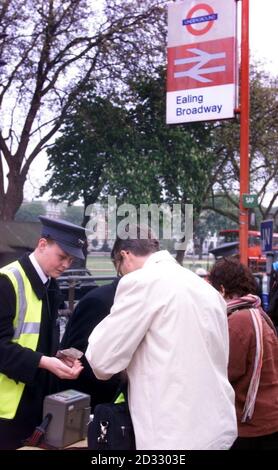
(101, 265)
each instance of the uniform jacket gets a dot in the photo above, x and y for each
(168, 328)
(21, 364)
(90, 310)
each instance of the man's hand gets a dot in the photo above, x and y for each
(68, 356)
(59, 368)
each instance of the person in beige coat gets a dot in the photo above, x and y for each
(168, 329)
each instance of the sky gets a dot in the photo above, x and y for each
(263, 35)
(263, 32)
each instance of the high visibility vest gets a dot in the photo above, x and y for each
(26, 333)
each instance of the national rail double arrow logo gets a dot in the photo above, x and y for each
(198, 70)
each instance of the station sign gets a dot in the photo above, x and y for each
(201, 61)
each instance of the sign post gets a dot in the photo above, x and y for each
(202, 76)
(201, 72)
(244, 133)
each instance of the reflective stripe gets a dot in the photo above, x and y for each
(31, 327)
(26, 323)
(22, 302)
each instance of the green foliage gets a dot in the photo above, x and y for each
(92, 136)
(129, 151)
(225, 176)
(29, 211)
(224, 216)
(167, 163)
(73, 214)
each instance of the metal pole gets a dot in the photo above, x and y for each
(244, 132)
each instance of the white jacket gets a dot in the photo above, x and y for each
(168, 328)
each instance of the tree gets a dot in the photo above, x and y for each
(138, 158)
(52, 48)
(92, 137)
(210, 221)
(73, 214)
(29, 211)
(263, 150)
(165, 163)
(181, 155)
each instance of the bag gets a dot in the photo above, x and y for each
(111, 428)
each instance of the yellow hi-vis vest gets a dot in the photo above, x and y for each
(26, 333)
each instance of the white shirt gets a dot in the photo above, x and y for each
(168, 328)
(37, 267)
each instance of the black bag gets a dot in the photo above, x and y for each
(111, 428)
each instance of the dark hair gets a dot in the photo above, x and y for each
(236, 278)
(137, 239)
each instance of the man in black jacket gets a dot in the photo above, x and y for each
(29, 332)
(90, 310)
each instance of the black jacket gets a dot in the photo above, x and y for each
(273, 298)
(21, 364)
(90, 310)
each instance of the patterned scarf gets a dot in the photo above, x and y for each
(253, 303)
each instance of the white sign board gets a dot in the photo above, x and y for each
(201, 71)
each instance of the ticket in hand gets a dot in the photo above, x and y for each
(73, 353)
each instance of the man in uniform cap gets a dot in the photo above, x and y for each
(69, 237)
(29, 333)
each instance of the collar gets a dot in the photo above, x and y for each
(38, 269)
(245, 302)
(158, 256)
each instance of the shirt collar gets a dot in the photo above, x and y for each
(38, 269)
(158, 256)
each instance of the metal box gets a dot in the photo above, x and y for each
(70, 411)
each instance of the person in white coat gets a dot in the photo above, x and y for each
(168, 329)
